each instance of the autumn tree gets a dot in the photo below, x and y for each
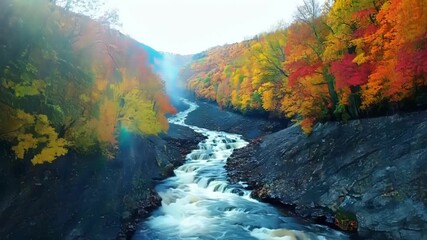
(267, 56)
(372, 59)
(348, 21)
(64, 90)
(307, 69)
(343, 60)
(244, 76)
(398, 49)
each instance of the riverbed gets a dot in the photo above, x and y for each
(199, 203)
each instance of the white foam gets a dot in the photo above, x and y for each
(278, 234)
(201, 204)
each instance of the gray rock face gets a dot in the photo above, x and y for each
(87, 197)
(373, 168)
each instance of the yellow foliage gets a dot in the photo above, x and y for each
(267, 100)
(138, 114)
(35, 133)
(107, 121)
(89, 81)
(360, 58)
(235, 101)
(26, 117)
(7, 84)
(236, 79)
(25, 142)
(54, 149)
(245, 94)
(33, 88)
(147, 119)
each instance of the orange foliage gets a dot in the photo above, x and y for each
(244, 76)
(336, 64)
(129, 93)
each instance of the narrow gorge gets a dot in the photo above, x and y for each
(199, 203)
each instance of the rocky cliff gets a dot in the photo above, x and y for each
(369, 175)
(77, 197)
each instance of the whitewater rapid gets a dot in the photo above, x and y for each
(199, 203)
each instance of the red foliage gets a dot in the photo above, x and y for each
(420, 60)
(414, 63)
(163, 103)
(348, 73)
(365, 31)
(301, 69)
(410, 65)
(365, 13)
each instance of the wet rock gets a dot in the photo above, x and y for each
(237, 191)
(374, 169)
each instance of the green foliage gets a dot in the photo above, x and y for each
(227, 71)
(341, 113)
(256, 98)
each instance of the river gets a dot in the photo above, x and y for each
(199, 203)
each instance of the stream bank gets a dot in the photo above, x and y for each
(210, 116)
(368, 174)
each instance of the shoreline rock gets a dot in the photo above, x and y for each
(373, 171)
(210, 116)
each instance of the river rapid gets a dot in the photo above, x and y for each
(199, 203)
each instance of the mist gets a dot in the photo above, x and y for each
(168, 68)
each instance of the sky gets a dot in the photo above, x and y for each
(191, 26)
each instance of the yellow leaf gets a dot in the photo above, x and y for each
(55, 149)
(26, 142)
(360, 58)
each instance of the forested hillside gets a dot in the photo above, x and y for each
(346, 59)
(69, 82)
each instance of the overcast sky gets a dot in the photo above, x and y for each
(191, 26)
